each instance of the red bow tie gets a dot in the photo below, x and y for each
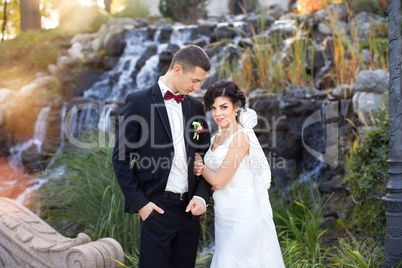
(169, 95)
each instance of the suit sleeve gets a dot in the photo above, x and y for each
(203, 187)
(127, 136)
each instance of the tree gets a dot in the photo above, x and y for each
(3, 30)
(30, 15)
(107, 3)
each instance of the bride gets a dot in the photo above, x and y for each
(238, 170)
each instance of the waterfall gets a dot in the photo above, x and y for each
(15, 160)
(37, 140)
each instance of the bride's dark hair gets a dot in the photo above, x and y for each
(227, 89)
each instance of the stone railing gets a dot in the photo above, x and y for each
(28, 241)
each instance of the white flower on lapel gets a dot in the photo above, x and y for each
(198, 128)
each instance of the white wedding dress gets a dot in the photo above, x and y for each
(245, 234)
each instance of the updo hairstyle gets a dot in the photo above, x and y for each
(227, 89)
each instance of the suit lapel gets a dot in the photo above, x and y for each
(185, 106)
(161, 108)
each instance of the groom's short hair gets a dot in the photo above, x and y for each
(190, 57)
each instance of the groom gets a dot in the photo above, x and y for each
(153, 161)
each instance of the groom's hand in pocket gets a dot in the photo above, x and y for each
(196, 206)
(146, 210)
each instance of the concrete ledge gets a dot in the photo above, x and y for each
(28, 241)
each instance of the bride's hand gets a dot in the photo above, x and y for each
(198, 165)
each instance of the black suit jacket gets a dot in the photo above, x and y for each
(143, 153)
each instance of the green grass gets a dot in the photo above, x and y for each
(87, 198)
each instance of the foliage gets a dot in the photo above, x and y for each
(371, 6)
(378, 52)
(380, 30)
(134, 9)
(44, 55)
(87, 198)
(352, 253)
(187, 11)
(367, 174)
(311, 6)
(298, 213)
(12, 17)
(75, 18)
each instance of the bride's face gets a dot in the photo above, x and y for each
(224, 112)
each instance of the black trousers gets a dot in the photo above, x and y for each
(169, 240)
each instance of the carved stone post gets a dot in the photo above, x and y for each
(393, 199)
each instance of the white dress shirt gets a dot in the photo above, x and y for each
(177, 180)
(178, 177)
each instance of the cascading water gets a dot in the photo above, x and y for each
(37, 140)
(15, 175)
(126, 77)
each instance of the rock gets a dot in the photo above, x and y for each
(82, 38)
(255, 21)
(365, 21)
(284, 28)
(6, 95)
(121, 22)
(52, 69)
(161, 23)
(84, 80)
(342, 92)
(366, 56)
(301, 92)
(201, 42)
(222, 33)
(165, 58)
(367, 104)
(66, 61)
(141, 23)
(371, 81)
(274, 10)
(324, 29)
(149, 52)
(115, 45)
(338, 12)
(96, 44)
(32, 89)
(333, 187)
(328, 223)
(166, 32)
(76, 51)
(110, 62)
(205, 29)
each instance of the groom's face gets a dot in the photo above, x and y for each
(188, 81)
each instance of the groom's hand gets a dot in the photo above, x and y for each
(146, 210)
(196, 206)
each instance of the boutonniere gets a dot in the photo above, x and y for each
(198, 128)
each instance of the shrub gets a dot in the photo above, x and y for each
(134, 9)
(380, 30)
(298, 214)
(43, 55)
(366, 253)
(187, 11)
(370, 6)
(367, 174)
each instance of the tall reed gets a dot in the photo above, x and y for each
(348, 59)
